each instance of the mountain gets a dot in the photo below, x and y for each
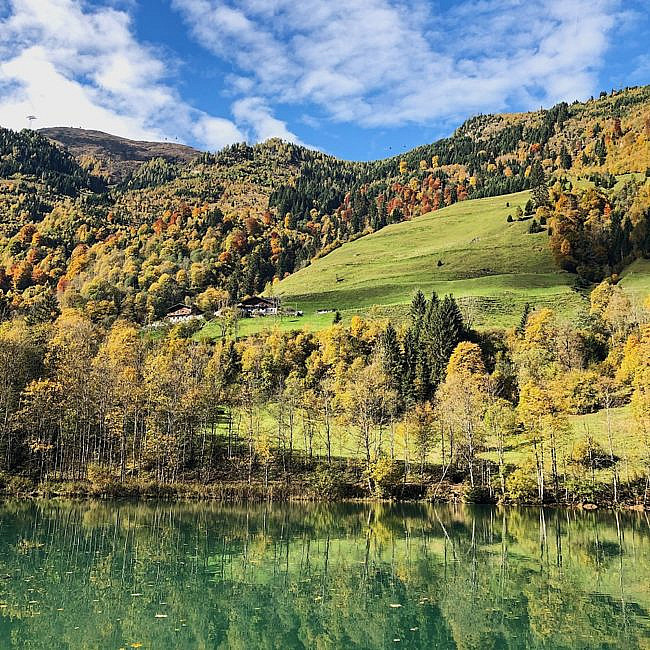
(117, 156)
(98, 225)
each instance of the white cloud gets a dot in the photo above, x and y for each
(641, 72)
(391, 62)
(370, 62)
(216, 132)
(76, 66)
(254, 113)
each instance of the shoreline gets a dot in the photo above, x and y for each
(238, 493)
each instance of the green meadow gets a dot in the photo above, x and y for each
(636, 279)
(468, 249)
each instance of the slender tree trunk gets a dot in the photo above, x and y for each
(611, 448)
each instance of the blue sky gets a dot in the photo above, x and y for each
(360, 79)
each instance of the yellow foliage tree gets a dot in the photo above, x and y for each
(466, 360)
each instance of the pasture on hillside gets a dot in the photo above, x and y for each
(468, 249)
(492, 266)
(635, 279)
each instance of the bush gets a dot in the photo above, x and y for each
(327, 482)
(521, 485)
(588, 453)
(534, 227)
(581, 489)
(98, 474)
(65, 489)
(478, 494)
(384, 475)
(19, 485)
(186, 329)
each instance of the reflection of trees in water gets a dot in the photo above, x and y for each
(320, 576)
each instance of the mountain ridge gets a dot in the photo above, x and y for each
(120, 155)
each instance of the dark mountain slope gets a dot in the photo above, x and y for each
(118, 156)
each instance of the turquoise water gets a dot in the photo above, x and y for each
(159, 575)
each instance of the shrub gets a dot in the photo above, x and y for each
(590, 454)
(186, 329)
(19, 485)
(327, 482)
(478, 494)
(384, 475)
(534, 227)
(521, 485)
(98, 473)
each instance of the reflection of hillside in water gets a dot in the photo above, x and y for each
(348, 575)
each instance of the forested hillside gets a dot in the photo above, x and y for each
(231, 222)
(552, 409)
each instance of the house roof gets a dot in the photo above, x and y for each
(256, 300)
(180, 307)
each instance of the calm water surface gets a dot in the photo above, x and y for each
(118, 575)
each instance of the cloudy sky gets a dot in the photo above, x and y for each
(360, 79)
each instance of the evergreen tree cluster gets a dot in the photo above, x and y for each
(28, 152)
(152, 173)
(417, 363)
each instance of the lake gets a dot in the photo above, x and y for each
(160, 575)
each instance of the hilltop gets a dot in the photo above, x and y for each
(117, 157)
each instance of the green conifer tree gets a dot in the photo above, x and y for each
(391, 358)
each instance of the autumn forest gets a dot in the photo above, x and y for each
(99, 395)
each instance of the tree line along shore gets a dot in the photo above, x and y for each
(549, 411)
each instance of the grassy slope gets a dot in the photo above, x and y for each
(627, 445)
(636, 279)
(482, 255)
(247, 326)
